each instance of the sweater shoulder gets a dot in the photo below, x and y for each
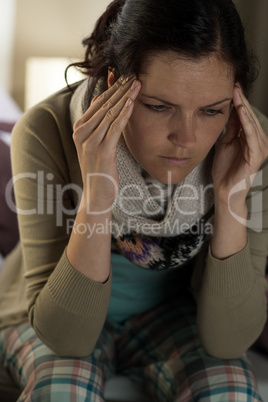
(54, 109)
(43, 138)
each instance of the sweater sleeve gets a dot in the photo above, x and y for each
(230, 293)
(70, 311)
(66, 309)
(231, 305)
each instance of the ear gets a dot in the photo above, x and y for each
(111, 77)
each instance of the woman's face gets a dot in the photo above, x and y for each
(180, 112)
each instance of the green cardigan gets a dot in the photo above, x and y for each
(67, 309)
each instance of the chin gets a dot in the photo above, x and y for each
(169, 177)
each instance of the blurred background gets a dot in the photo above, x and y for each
(39, 38)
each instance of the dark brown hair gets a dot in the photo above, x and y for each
(129, 30)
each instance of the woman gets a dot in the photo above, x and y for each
(153, 182)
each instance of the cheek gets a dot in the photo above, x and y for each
(140, 127)
(215, 128)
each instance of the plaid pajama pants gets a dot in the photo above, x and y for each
(159, 350)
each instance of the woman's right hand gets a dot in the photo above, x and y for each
(96, 135)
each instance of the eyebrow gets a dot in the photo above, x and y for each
(173, 104)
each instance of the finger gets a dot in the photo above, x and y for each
(250, 127)
(113, 131)
(95, 98)
(241, 102)
(108, 113)
(97, 110)
(253, 133)
(113, 106)
(119, 88)
(111, 121)
(119, 124)
(262, 137)
(232, 128)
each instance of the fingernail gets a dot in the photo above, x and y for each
(239, 88)
(121, 79)
(129, 102)
(244, 110)
(127, 79)
(134, 84)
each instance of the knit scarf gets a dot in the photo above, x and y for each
(154, 225)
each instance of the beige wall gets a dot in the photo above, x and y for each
(56, 28)
(7, 27)
(50, 28)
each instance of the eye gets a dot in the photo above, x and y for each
(157, 108)
(213, 112)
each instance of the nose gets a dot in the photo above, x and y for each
(182, 131)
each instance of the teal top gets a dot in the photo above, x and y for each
(136, 290)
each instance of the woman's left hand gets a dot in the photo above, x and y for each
(240, 153)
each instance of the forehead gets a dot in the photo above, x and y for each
(202, 78)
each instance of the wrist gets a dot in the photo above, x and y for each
(230, 229)
(235, 209)
(95, 206)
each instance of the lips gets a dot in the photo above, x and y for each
(175, 161)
